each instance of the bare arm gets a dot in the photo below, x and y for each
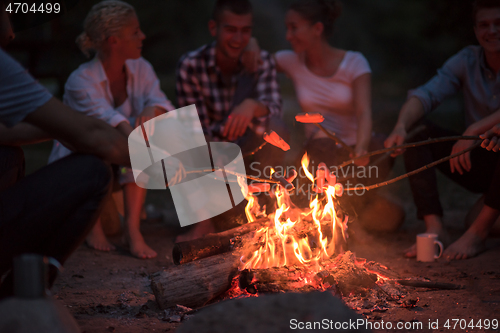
(85, 134)
(22, 134)
(362, 107)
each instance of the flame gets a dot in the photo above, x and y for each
(296, 236)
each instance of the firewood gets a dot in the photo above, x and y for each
(195, 283)
(212, 244)
(429, 284)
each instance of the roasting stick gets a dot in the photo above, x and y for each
(410, 145)
(334, 137)
(425, 167)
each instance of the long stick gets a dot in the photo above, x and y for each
(410, 145)
(256, 149)
(425, 167)
(334, 138)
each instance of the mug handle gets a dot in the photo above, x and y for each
(440, 249)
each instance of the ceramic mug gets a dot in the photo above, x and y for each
(426, 247)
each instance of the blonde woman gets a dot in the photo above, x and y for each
(121, 88)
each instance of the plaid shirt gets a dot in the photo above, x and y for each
(199, 82)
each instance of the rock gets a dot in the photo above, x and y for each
(273, 313)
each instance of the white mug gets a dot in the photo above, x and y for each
(426, 247)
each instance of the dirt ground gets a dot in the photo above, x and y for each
(110, 292)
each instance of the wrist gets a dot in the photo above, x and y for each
(471, 131)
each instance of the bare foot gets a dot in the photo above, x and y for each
(199, 230)
(467, 246)
(97, 240)
(411, 252)
(139, 248)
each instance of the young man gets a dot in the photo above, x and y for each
(474, 71)
(50, 211)
(233, 105)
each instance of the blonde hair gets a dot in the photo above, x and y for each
(104, 20)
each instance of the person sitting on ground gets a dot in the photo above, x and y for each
(121, 88)
(474, 71)
(337, 84)
(233, 105)
(50, 211)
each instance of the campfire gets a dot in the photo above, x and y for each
(291, 249)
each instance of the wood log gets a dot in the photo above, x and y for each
(195, 283)
(212, 244)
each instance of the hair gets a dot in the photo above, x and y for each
(324, 11)
(482, 4)
(104, 20)
(238, 7)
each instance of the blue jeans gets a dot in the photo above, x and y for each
(50, 211)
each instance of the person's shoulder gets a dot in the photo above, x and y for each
(195, 56)
(354, 56)
(356, 60)
(470, 53)
(286, 56)
(139, 65)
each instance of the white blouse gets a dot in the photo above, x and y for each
(87, 90)
(331, 96)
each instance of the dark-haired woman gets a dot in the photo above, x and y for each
(337, 84)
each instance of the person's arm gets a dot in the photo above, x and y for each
(85, 134)
(22, 134)
(188, 91)
(362, 107)
(156, 102)
(426, 98)
(410, 113)
(267, 102)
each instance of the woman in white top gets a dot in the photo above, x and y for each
(121, 88)
(337, 84)
(328, 80)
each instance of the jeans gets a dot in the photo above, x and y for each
(484, 176)
(50, 211)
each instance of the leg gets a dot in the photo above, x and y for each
(424, 184)
(51, 211)
(97, 239)
(472, 242)
(134, 197)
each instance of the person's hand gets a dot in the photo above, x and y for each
(461, 163)
(250, 58)
(491, 139)
(396, 138)
(359, 151)
(238, 120)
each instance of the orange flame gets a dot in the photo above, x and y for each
(296, 236)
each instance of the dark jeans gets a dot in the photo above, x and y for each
(484, 176)
(50, 211)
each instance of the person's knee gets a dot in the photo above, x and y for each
(92, 167)
(14, 156)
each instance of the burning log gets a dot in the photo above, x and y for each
(342, 274)
(195, 283)
(212, 244)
